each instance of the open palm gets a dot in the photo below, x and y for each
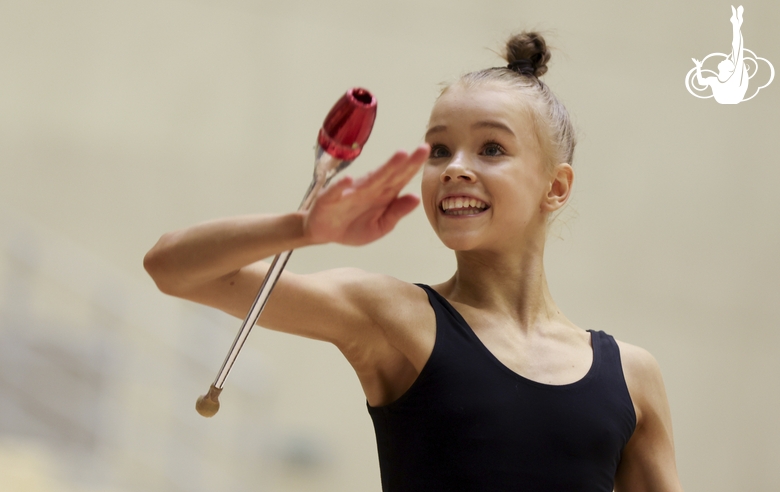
(357, 212)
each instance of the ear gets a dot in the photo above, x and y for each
(559, 189)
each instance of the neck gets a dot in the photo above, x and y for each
(511, 285)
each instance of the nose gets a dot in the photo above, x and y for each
(458, 169)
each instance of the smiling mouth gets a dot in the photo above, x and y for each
(462, 205)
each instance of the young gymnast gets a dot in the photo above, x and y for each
(478, 383)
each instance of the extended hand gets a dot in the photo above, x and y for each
(356, 212)
(697, 62)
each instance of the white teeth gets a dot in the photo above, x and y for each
(462, 204)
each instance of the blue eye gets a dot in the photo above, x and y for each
(493, 150)
(439, 151)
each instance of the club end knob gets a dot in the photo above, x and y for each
(208, 404)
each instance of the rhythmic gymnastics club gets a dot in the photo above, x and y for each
(340, 140)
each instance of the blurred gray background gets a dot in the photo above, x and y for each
(120, 121)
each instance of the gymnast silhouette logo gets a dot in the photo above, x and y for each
(735, 70)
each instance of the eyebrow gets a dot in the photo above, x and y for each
(495, 125)
(435, 129)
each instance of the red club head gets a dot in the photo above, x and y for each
(348, 125)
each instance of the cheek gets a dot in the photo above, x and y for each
(519, 195)
(428, 187)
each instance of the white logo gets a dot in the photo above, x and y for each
(730, 84)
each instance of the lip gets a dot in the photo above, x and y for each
(463, 195)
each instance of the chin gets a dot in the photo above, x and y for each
(460, 242)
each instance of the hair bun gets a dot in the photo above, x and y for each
(528, 46)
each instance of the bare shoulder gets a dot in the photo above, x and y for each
(648, 460)
(380, 292)
(639, 362)
(400, 309)
(643, 378)
(398, 337)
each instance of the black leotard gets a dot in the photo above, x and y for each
(470, 423)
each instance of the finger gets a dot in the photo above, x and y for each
(423, 151)
(406, 170)
(396, 160)
(419, 156)
(399, 207)
(412, 165)
(390, 188)
(393, 171)
(380, 174)
(403, 160)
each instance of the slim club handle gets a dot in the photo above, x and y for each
(207, 405)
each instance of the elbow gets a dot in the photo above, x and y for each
(154, 264)
(159, 264)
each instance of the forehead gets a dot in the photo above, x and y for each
(463, 106)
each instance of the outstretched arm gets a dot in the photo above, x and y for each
(648, 463)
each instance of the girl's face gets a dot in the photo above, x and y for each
(483, 147)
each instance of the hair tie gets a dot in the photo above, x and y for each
(523, 67)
